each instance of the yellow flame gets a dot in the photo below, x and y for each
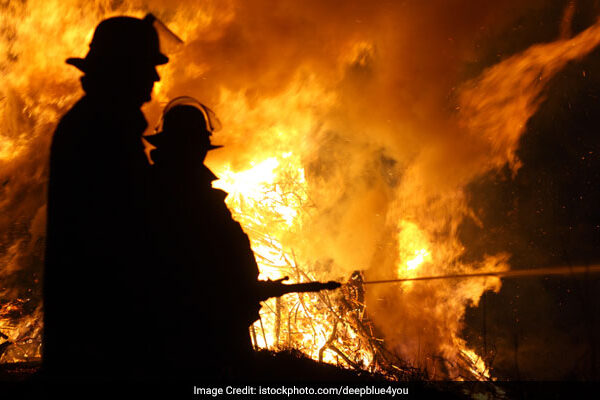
(420, 256)
(413, 249)
(478, 367)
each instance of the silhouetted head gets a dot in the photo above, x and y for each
(121, 63)
(184, 131)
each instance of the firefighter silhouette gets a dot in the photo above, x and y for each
(209, 269)
(204, 263)
(95, 294)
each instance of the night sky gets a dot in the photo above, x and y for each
(548, 214)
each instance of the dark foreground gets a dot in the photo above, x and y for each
(282, 375)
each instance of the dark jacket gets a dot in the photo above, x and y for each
(210, 273)
(94, 293)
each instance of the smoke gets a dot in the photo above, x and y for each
(361, 91)
(363, 94)
(374, 82)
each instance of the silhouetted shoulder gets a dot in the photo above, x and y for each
(74, 124)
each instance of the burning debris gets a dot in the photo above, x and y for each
(333, 328)
(5, 344)
(20, 332)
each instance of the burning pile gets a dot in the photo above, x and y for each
(342, 158)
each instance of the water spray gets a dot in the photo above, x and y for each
(500, 274)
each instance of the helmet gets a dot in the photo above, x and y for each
(120, 40)
(186, 121)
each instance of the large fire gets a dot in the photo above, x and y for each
(341, 155)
